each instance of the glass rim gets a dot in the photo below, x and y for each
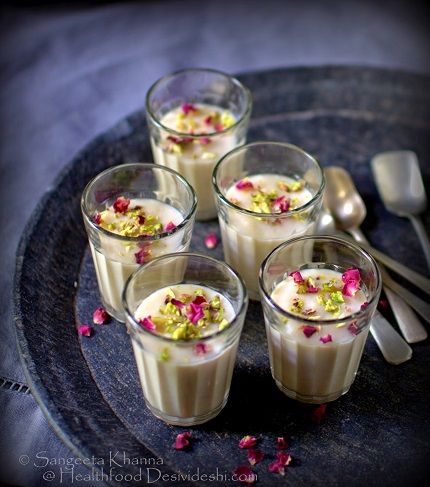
(139, 329)
(178, 133)
(288, 213)
(150, 238)
(328, 238)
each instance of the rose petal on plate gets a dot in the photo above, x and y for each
(85, 330)
(182, 440)
(276, 467)
(281, 443)
(255, 456)
(248, 441)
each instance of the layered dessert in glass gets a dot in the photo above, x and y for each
(267, 192)
(195, 116)
(185, 313)
(317, 313)
(133, 213)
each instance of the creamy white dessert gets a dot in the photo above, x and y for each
(317, 362)
(248, 239)
(195, 158)
(185, 381)
(114, 259)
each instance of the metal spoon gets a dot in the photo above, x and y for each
(349, 211)
(398, 178)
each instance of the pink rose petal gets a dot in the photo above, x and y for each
(276, 467)
(141, 219)
(255, 456)
(353, 328)
(383, 304)
(364, 305)
(281, 204)
(97, 218)
(121, 204)
(326, 339)
(100, 316)
(244, 184)
(177, 303)
(188, 107)
(142, 254)
(85, 330)
(198, 300)
(248, 441)
(201, 348)
(211, 241)
(219, 127)
(208, 120)
(319, 413)
(169, 227)
(309, 331)
(313, 289)
(244, 474)
(182, 440)
(205, 141)
(297, 277)
(194, 313)
(350, 288)
(283, 458)
(147, 323)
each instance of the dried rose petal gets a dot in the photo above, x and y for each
(141, 219)
(208, 120)
(169, 227)
(142, 254)
(326, 339)
(383, 304)
(276, 467)
(121, 204)
(182, 440)
(353, 328)
(313, 289)
(283, 458)
(244, 184)
(219, 127)
(85, 330)
(364, 305)
(205, 141)
(211, 241)
(200, 299)
(255, 456)
(281, 443)
(195, 313)
(281, 204)
(188, 107)
(179, 140)
(297, 277)
(201, 348)
(147, 323)
(97, 218)
(100, 316)
(248, 441)
(244, 474)
(309, 330)
(319, 413)
(350, 288)
(351, 274)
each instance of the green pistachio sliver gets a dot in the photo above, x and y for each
(223, 325)
(337, 297)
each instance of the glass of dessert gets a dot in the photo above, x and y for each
(317, 309)
(195, 116)
(133, 213)
(185, 314)
(266, 192)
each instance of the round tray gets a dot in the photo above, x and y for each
(88, 387)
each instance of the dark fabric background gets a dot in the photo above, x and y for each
(69, 72)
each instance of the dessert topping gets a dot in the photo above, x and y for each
(248, 441)
(100, 316)
(182, 441)
(85, 330)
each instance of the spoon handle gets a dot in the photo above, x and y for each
(409, 324)
(422, 235)
(394, 349)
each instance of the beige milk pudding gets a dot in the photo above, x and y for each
(248, 239)
(195, 157)
(115, 260)
(187, 380)
(317, 362)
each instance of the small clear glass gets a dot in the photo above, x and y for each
(195, 160)
(309, 370)
(248, 237)
(114, 255)
(180, 386)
